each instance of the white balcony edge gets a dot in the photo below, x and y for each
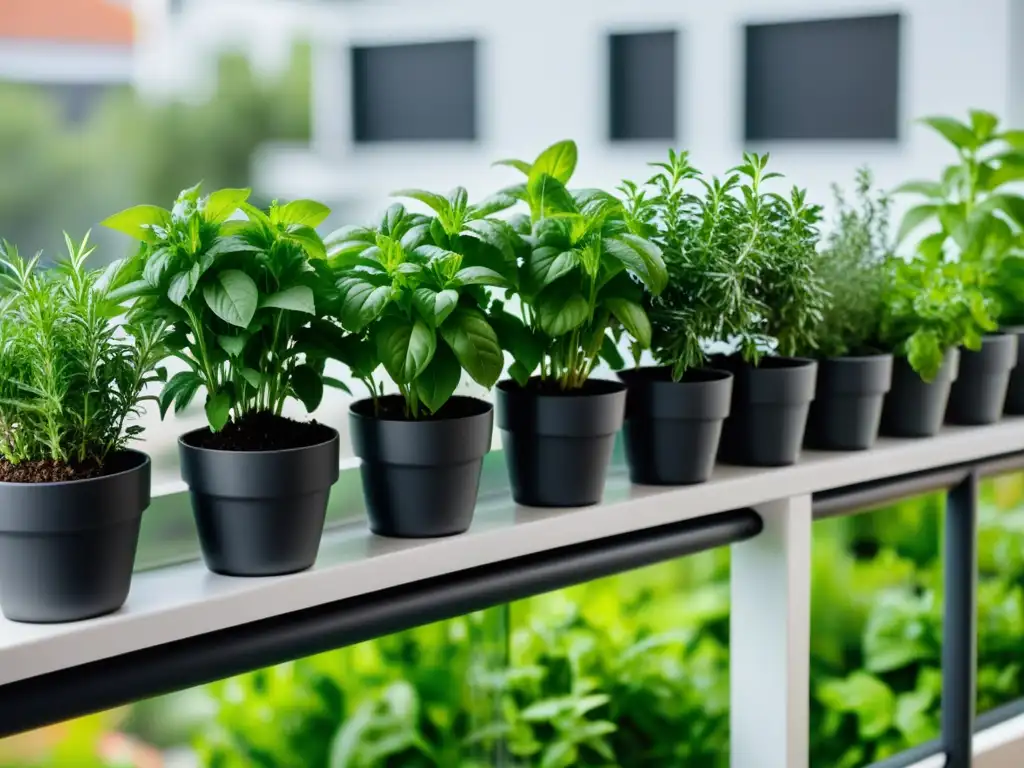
(177, 602)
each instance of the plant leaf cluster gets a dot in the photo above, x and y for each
(979, 219)
(581, 275)
(853, 268)
(412, 292)
(236, 295)
(71, 376)
(741, 261)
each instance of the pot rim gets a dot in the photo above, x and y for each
(859, 358)
(141, 465)
(614, 387)
(368, 418)
(335, 437)
(717, 375)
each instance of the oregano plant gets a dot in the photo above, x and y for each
(235, 293)
(580, 279)
(72, 377)
(412, 293)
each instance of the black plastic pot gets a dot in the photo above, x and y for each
(847, 408)
(67, 549)
(978, 395)
(558, 445)
(259, 513)
(768, 418)
(1015, 390)
(420, 478)
(672, 428)
(914, 407)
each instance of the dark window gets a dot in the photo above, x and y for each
(421, 92)
(834, 79)
(642, 85)
(77, 101)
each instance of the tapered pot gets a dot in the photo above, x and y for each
(768, 417)
(1015, 389)
(67, 549)
(978, 396)
(672, 428)
(259, 513)
(847, 408)
(557, 445)
(421, 478)
(914, 407)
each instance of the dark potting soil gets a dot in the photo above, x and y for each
(50, 471)
(262, 431)
(551, 388)
(392, 408)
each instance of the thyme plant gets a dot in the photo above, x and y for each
(235, 294)
(71, 377)
(853, 267)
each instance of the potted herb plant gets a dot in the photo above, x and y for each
(773, 249)
(931, 307)
(675, 409)
(72, 493)
(412, 297)
(853, 374)
(580, 283)
(237, 294)
(979, 222)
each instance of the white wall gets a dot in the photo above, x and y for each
(543, 77)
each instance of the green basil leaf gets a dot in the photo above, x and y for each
(224, 202)
(560, 310)
(180, 288)
(513, 335)
(546, 264)
(438, 382)
(435, 306)
(914, 218)
(548, 195)
(633, 319)
(361, 302)
(955, 132)
(179, 391)
(479, 276)
(404, 347)
(308, 213)
(558, 160)
(307, 385)
(434, 201)
(641, 257)
(475, 345)
(233, 297)
(233, 345)
(157, 264)
(519, 165)
(218, 410)
(139, 221)
(298, 298)
(252, 377)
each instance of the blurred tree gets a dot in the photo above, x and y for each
(56, 175)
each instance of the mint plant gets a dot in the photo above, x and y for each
(978, 218)
(412, 294)
(71, 378)
(581, 277)
(235, 295)
(854, 268)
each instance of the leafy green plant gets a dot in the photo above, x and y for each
(931, 306)
(235, 295)
(581, 277)
(412, 293)
(710, 241)
(71, 377)
(853, 267)
(979, 219)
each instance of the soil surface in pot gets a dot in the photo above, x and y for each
(262, 431)
(551, 388)
(392, 408)
(50, 471)
(664, 373)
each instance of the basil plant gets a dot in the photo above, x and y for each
(413, 293)
(581, 276)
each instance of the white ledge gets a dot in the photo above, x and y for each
(182, 601)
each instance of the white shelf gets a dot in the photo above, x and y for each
(182, 601)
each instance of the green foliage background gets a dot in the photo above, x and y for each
(130, 150)
(632, 670)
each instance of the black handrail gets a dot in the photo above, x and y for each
(118, 680)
